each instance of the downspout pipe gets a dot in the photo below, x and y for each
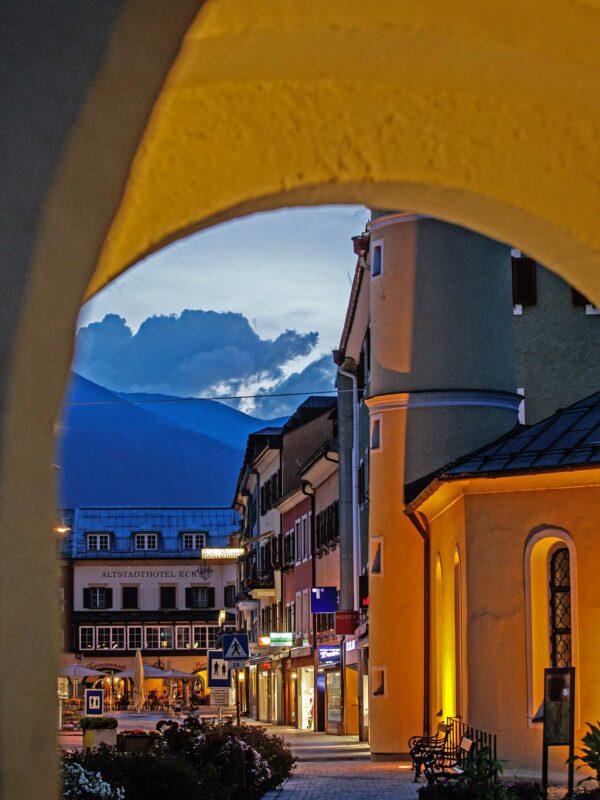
(355, 457)
(422, 525)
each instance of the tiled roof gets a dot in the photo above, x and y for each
(569, 439)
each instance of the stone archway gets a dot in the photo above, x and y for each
(485, 117)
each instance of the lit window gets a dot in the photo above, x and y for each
(108, 638)
(560, 608)
(166, 637)
(152, 637)
(86, 638)
(182, 637)
(194, 541)
(146, 541)
(204, 636)
(98, 541)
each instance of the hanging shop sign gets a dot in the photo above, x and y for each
(346, 622)
(282, 639)
(329, 654)
(230, 553)
(323, 599)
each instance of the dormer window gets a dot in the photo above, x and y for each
(98, 541)
(146, 541)
(193, 541)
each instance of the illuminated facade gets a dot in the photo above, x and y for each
(438, 374)
(514, 557)
(139, 580)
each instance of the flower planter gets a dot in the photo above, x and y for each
(97, 736)
(133, 743)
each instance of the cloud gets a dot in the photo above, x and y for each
(186, 354)
(318, 376)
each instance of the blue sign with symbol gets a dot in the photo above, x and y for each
(235, 646)
(218, 670)
(323, 600)
(94, 702)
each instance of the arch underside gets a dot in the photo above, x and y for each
(456, 117)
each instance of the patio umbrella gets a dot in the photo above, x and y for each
(149, 672)
(139, 694)
(76, 672)
(179, 675)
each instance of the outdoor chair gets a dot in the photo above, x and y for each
(448, 765)
(421, 747)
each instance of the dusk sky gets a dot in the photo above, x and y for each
(279, 283)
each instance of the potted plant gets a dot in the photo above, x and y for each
(98, 730)
(137, 740)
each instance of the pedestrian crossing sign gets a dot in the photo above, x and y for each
(218, 670)
(235, 646)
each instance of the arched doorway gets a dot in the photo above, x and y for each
(456, 114)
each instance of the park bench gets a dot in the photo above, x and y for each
(423, 747)
(450, 764)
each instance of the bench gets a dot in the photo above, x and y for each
(423, 747)
(447, 765)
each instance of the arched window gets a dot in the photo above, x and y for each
(439, 640)
(551, 610)
(560, 608)
(458, 701)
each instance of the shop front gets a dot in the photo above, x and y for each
(329, 659)
(301, 688)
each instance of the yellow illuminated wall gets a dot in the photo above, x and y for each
(506, 530)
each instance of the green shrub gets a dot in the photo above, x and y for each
(591, 753)
(462, 790)
(98, 723)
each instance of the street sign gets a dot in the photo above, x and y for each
(323, 600)
(237, 664)
(219, 697)
(218, 670)
(94, 703)
(235, 646)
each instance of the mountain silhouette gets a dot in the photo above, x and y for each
(117, 450)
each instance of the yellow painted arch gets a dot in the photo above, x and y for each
(486, 115)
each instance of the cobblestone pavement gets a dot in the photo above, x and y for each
(347, 780)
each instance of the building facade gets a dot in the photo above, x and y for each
(154, 579)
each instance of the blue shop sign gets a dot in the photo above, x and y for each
(329, 654)
(323, 600)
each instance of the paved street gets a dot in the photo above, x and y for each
(347, 780)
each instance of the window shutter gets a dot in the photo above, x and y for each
(210, 597)
(189, 598)
(108, 598)
(524, 284)
(579, 300)
(87, 598)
